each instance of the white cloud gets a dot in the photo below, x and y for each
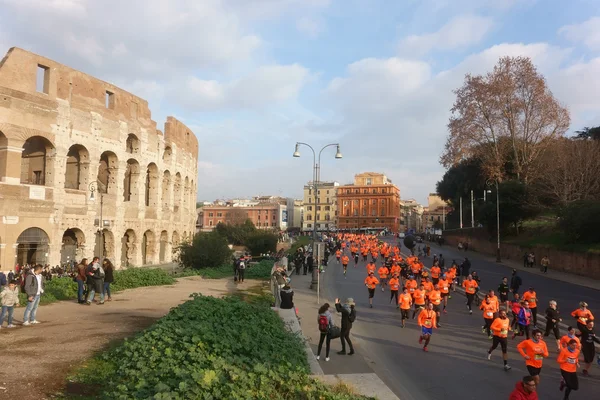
(587, 33)
(459, 33)
(310, 27)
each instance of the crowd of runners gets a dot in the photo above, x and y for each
(423, 293)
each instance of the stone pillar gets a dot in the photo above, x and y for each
(10, 164)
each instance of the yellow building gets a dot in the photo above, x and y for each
(323, 213)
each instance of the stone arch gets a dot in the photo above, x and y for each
(167, 155)
(151, 185)
(164, 242)
(36, 161)
(128, 248)
(186, 193)
(32, 246)
(108, 240)
(184, 238)
(131, 189)
(148, 245)
(73, 246)
(77, 169)
(132, 144)
(166, 190)
(177, 192)
(175, 240)
(107, 172)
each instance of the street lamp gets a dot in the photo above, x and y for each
(93, 187)
(316, 175)
(494, 182)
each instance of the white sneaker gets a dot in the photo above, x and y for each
(470, 311)
(326, 358)
(26, 323)
(35, 322)
(318, 358)
(11, 326)
(489, 356)
(507, 367)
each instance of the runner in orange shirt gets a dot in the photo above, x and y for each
(451, 276)
(394, 287)
(435, 297)
(494, 300)
(371, 282)
(395, 270)
(419, 300)
(530, 296)
(428, 285)
(488, 309)
(383, 276)
(338, 255)
(534, 351)
(427, 321)
(568, 360)
(500, 328)
(405, 302)
(470, 286)
(411, 284)
(435, 273)
(583, 315)
(371, 268)
(567, 338)
(345, 261)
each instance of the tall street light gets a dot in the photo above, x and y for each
(316, 174)
(94, 187)
(494, 182)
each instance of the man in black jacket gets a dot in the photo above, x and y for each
(515, 282)
(348, 317)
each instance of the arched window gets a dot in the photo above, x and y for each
(152, 185)
(77, 168)
(132, 145)
(32, 246)
(131, 180)
(107, 172)
(167, 155)
(36, 168)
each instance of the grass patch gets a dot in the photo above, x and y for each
(552, 239)
(261, 270)
(300, 241)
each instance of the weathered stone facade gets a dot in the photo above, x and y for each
(64, 135)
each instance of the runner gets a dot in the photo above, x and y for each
(405, 304)
(451, 275)
(524, 320)
(338, 255)
(470, 285)
(419, 300)
(568, 360)
(488, 308)
(383, 276)
(444, 286)
(394, 287)
(567, 338)
(371, 268)
(530, 296)
(411, 284)
(494, 300)
(371, 282)
(345, 261)
(588, 337)
(515, 307)
(503, 290)
(427, 323)
(355, 260)
(435, 273)
(552, 320)
(534, 351)
(500, 328)
(428, 285)
(435, 297)
(582, 315)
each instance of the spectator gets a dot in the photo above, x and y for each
(9, 300)
(348, 317)
(3, 281)
(465, 268)
(11, 276)
(241, 268)
(544, 263)
(108, 277)
(97, 278)
(34, 287)
(81, 279)
(287, 298)
(525, 390)
(531, 259)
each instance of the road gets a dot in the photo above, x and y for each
(456, 365)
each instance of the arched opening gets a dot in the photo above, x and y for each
(128, 248)
(108, 239)
(131, 180)
(148, 248)
(164, 239)
(166, 190)
(36, 166)
(186, 193)
(175, 240)
(107, 172)
(132, 145)
(192, 195)
(3, 157)
(78, 164)
(184, 238)
(152, 185)
(32, 247)
(73, 246)
(167, 155)
(177, 192)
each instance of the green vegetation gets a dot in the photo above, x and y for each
(207, 348)
(207, 250)
(240, 231)
(261, 270)
(300, 241)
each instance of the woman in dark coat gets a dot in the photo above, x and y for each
(108, 277)
(348, 317)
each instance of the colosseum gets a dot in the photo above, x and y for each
(84, 170)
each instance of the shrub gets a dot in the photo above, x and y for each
(261, 242)
(206, 250)
(131, 278)
(261, 270)
(580, 221)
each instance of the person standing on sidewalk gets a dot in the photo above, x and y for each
(348, 317)
(544, 264)
(97, 275)
(34, 287)
(325, 322)
(81, 278)
(109, 278)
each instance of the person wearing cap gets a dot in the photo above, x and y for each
(371, 282)
(348, 317)
(582, 315)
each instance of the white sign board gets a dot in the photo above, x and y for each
(37, 192)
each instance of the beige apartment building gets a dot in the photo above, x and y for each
(85, 172)
(436, 212)
(321, 211)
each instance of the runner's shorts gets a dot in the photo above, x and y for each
(570, 379)
(436, 308)
(426, 331)
(445, 295)
(502, 341)
(588, 354)
(533, 371)
(371, 293)
(503, 298)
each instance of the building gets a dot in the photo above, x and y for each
(295, 213)
(321, 211)
(263, 216)
(372, 202)
(436, 212)
(85, 172)
(412, 216)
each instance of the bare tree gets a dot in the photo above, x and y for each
(236, 216)
(506, 116)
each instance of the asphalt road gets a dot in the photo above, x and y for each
(456, 366)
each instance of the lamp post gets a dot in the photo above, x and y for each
(93, 187)
(494, 182)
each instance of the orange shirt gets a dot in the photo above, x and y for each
(531, 298)
(444, 285)
(416, 268)
(411, 284)
(494, 300)
(405, 301)
(427, 319)
(567, 359)
(383, 272)
(566, 339)
(396, 270)
(419, 297)
(500, 327)
(428, 286)
(488, 310)
(370, 268)
(394, 284)
(371, 282)
(451, 273)
(470, 286)
(338, 253)
(582, 316)
(435, 297)
(535, 351)
(343, 245)
(345, 260)
(435, 272)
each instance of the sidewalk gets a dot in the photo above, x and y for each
(351, 370)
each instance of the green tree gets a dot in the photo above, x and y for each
(580, 221)
(261, 242)
(208, 249)
(514, 207)
(589, 133)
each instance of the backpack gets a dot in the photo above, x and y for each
(242, 265)
(323, 323)
(352, 317)
(99, 273)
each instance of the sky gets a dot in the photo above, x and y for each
(253, 77)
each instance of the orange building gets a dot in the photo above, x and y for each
(263, 216)
(372, 202)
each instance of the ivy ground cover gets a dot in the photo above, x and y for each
(209, 348)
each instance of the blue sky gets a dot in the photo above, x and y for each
(252, 77)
